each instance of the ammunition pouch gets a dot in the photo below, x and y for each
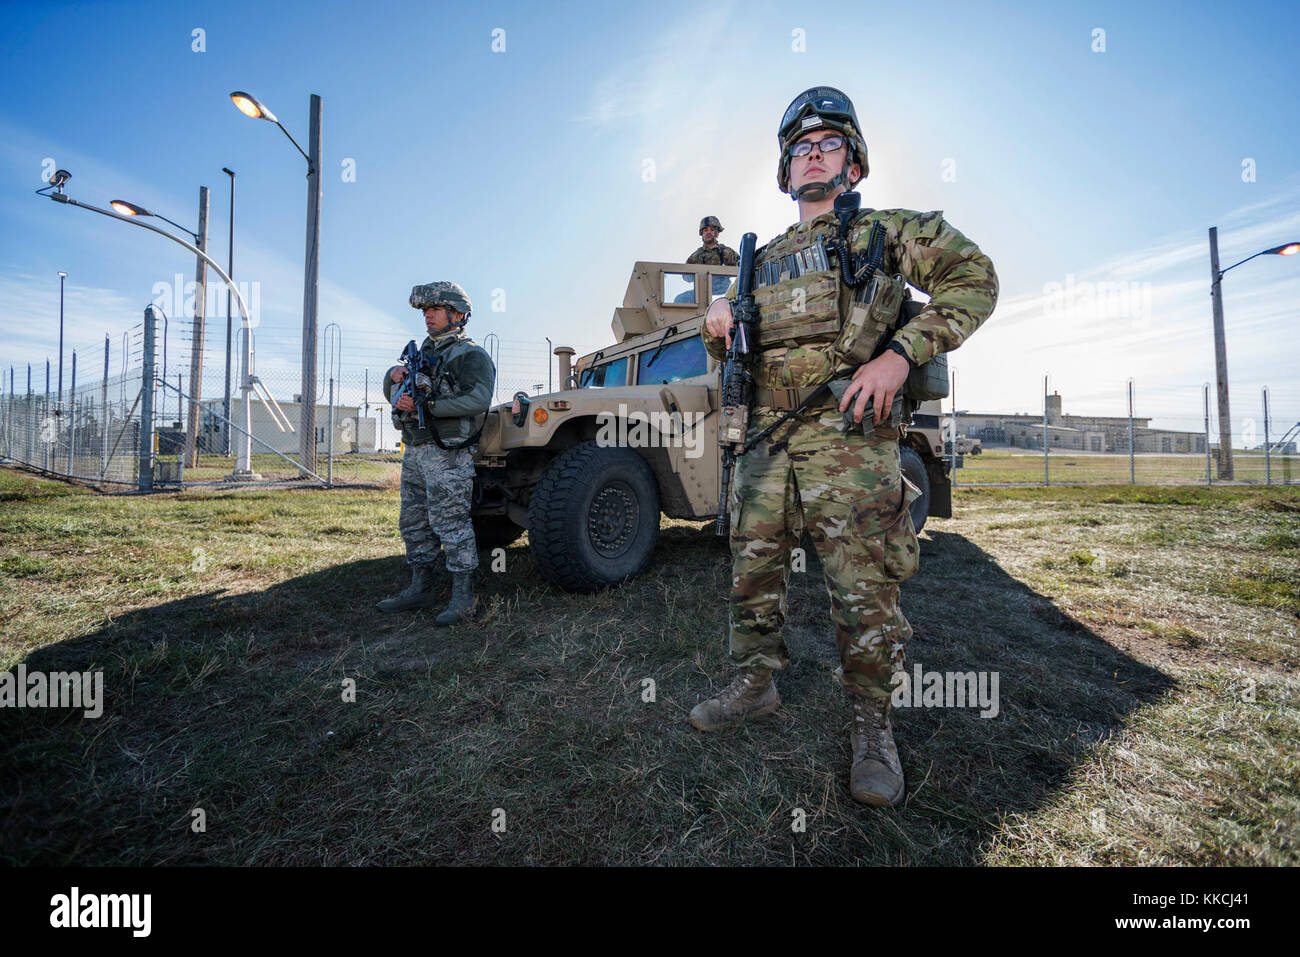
(798, 312)
(929, 380)
(873, 314)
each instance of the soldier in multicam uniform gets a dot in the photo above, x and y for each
(843, 483)
(712, 253)
(438, 464)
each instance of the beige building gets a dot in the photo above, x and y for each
(1075, 433)
(352, 431)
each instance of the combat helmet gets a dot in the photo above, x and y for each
(444, 293)
(821, 107)
(711, 221)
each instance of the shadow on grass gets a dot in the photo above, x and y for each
(538, 716)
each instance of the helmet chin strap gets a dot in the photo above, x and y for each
(815, 191)
(452, 329)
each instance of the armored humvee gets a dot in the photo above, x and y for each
(633, 432)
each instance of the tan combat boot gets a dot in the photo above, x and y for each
(751, 695)
(877, 775)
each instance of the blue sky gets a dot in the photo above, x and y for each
(524, 170)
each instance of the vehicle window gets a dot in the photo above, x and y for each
(678, 360)
(606, 376)
(718, 286)
(679, 287)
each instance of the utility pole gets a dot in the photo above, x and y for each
(196, 346)
(1220, 360)
(311, 277)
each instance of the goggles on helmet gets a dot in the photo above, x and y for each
(822, 101)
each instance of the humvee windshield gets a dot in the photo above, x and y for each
(678, 360)
(719, 286)
(606, 376)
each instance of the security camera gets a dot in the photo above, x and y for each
(60, 177)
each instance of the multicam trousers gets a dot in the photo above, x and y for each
(436, 489)
(848, 491)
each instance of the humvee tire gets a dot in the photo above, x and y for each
(593, 519)
(914, 469)
(495, 531)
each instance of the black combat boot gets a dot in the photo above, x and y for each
(415, 595)
(462, 601)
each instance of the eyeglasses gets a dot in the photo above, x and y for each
(828, 144)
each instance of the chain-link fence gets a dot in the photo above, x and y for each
(87, 430)
(114, 432)
(1053, 447)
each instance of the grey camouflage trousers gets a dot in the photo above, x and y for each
(436, 489)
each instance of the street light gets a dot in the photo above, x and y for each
(230, 268)
(243, 470)
(250, 106)
(134, 209)
(1220, 347)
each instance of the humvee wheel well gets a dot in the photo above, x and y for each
(509, 490)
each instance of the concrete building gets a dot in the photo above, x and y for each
(1075, 433)
(352, 431)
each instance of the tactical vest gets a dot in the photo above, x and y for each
(445, 433)
(812, 326)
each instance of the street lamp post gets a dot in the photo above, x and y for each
(196, 343)
(250, 106)
(126, 212)
(1220, 346)
(230, 269)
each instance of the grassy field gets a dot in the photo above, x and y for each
(1002, 465)
(1145, 638)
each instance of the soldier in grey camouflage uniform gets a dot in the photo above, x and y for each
(438, 463)
(843, 484)
(712, 253)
